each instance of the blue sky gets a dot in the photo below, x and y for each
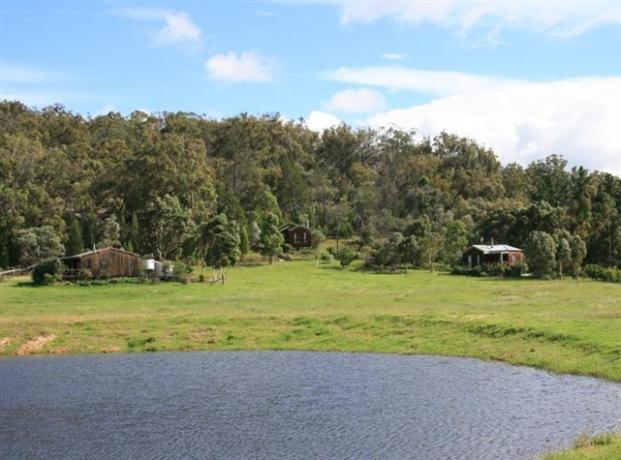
(526, 78)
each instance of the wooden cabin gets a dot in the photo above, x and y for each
(485, 254)
(298, 236)
(102, 263)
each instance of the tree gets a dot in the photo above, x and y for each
(222, 244)
(169, 225)
(244, 241)
(111, 235)
(255, 234)
(75, 244)
(578, 253)
(563, 255)
(345, 255)
(540, 251)
(455, 240)
(271, 238)
(134, 233)
(430, 243)
(39, 243)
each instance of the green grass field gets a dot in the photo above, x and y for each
(571, 326)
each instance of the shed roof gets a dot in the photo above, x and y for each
(94, 251)
(495, 248)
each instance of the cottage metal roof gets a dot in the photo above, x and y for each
(495, 248)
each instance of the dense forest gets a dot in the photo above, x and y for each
(162, 184)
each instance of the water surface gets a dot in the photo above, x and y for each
(292, 405)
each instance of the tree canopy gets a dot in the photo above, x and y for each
(151, 181)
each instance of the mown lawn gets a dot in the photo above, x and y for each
(571, 326)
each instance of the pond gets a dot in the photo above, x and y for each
(294, 405)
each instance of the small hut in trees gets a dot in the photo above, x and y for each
(298, 236)
(485, 254)
(102, 263)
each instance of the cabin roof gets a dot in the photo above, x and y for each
(291, 226)
(95, 251)
(495, 248)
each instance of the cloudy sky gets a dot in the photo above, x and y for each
(526, 78)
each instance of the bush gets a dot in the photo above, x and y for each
(517, 270)
(100, 282)
(597, 272)
(345, 255)
(497, 269)
(52, 267)
(287, 248)
(464, 270)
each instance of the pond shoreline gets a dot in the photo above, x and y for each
(522, 392)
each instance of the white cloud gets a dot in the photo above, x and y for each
(439, 83)
(393, 56)
(577, 118)
(318, 121)
(176, 26)
(361, 100)
(244, 67)
(556, 18)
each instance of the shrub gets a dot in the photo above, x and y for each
(100, 282)
(517, 270)
(345, 255)
(597, 272)
(287, 248)
(464, 270)
(497, 269)
(51, 266)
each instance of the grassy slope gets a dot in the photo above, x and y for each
(603, 447)
(564, 326)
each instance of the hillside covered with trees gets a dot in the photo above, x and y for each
(162, 184)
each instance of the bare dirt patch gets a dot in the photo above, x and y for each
(35, 345)
(4, 341)
(111, 349)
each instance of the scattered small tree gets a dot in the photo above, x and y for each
(540, 251)
(271, 238)
(47, 271)
(455, 240)
(75, 244)
(244, 241)
(111, 233)
(134, 233)
(221, 244)
(345, 255)
(38, 243)
(254, 234)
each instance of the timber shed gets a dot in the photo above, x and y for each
(102, 263)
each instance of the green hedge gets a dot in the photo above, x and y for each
(597, 272)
